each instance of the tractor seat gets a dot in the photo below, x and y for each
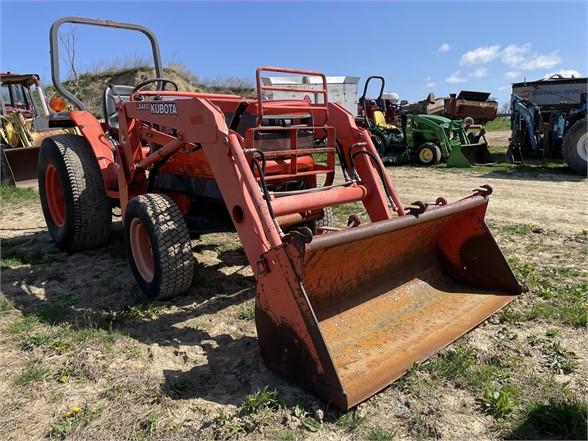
(380, 120)
(112, 96)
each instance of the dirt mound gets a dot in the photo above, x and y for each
(89, 87)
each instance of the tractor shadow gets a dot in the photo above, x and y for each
(96, 290)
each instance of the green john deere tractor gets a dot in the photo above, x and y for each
(426, 139)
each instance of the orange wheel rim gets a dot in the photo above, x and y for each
(54, 195)
(142, 250)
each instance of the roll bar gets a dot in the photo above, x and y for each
(54, 49)
(367, 82)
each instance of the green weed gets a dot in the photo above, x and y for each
(246, 313)
(498, 402)
(308, 423)
(558, 359)
(423, 428)
(261, 399)
(350, 421)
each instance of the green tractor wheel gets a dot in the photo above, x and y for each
(428, 154)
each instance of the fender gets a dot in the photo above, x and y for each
(92, 130)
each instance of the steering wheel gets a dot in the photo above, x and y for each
(161, 86)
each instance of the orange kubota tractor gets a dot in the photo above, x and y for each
(345, 312)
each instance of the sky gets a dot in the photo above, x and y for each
(441, 46)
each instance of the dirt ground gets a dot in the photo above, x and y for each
(85, 355)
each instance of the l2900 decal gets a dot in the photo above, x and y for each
(159, 108)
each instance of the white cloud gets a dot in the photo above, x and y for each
(512, 75)
(568, 73)
(444, 48)
(503, 88)
(430, 84)
(515, 54)
(481, 55)
(456, 77)
(522, 57)
(542, 61)
(479, 73)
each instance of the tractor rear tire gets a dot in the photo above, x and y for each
(158, 246)
(575, 147)
(328, 220)
(428, 153)
(76, 209)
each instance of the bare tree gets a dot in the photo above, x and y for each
(504, 107)
(69, 40)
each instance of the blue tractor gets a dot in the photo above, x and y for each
(548, 120)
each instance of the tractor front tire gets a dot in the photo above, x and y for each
(75, 206)
(158, 246)
(575, 147)
(428, 154)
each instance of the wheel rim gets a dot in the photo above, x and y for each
(142, 250)
(54, 195)
(582, 147)
(426, 155)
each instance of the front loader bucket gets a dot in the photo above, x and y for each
(20, 165)
(467, 155)
(350, 312)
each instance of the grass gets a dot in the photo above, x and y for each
(5, 305)
(498, 124)
(10, 195)
(556, 418)
(521, 229)
(72, 420)
(33, 372)
(265, 398)
(246, 313)
(13, 257)
(33, 333)
(461, 366)
(558, 299)
(378, 434)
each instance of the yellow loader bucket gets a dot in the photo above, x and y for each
(19, 165)
(351, 311)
